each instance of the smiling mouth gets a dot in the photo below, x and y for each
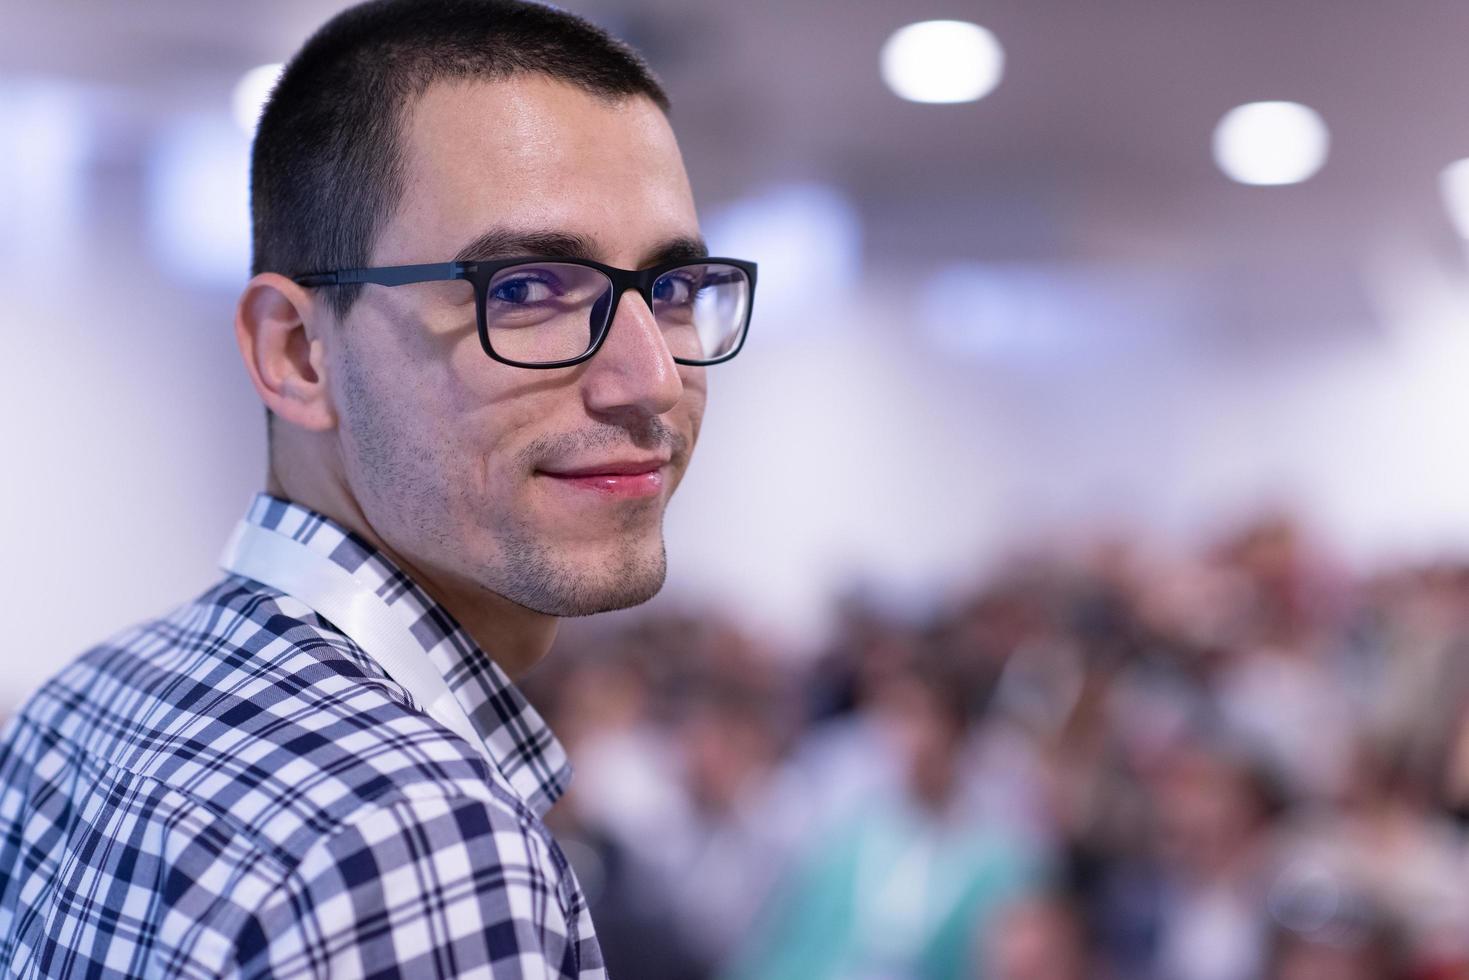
(629, 479)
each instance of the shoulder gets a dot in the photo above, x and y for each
(249, 704)
(433, 885)
(280, 785)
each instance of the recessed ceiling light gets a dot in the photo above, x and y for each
(1268, 143)
(942, 61)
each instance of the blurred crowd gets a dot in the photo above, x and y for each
(1238, 763)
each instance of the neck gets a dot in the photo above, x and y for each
(515, 637)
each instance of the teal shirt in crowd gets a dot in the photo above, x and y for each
(892, 893)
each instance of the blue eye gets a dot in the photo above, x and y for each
(511, 292)
(674, 289)
(522, 290)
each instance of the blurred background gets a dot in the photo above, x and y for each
(1074, 578)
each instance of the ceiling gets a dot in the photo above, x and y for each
(1094, 148)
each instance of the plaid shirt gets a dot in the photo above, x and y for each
(239, 790)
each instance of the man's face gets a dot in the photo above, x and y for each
(484, 476)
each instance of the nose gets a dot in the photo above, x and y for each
(633, 375)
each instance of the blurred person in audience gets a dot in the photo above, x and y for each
(1322, 931)
(845, 756)
(603, 699)
(598, 696)
(1383, 842)
(1417, 632)
(850, 750)
(480, 320)
(730, 728)
(680, 802)
(1284, 682)
(1213, 807)
(1037, 938)
(900, 887)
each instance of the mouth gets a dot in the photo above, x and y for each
(624, 478)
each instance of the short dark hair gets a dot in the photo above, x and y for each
(326, 171)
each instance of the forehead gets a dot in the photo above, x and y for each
(535, 154)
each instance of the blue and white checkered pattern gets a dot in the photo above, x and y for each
(238, 790)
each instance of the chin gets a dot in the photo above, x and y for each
(574, 583)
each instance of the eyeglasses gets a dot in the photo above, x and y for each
(551, 313)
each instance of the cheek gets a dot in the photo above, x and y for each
(403, 410)
(385, 416)
(493, 415)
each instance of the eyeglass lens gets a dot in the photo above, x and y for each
(550, 311)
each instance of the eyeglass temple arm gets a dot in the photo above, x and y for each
(392, 275)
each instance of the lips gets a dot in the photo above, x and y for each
(612, 478)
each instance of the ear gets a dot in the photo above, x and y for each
(278, 327)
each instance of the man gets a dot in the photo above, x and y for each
(480, 319)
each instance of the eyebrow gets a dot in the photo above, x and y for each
(676, 250)
(498, 243)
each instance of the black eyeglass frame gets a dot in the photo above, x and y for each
(481, 274)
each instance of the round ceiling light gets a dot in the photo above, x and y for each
(1270, 143)
(942, 61)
